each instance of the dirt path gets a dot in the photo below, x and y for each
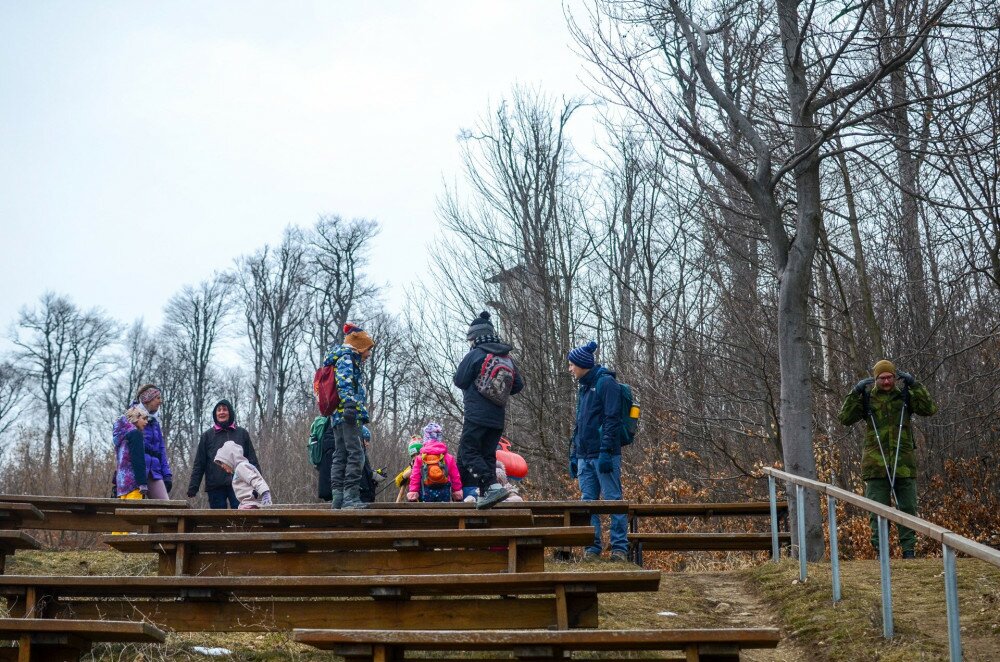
(699, 600)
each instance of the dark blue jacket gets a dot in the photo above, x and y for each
(598, 415)
(479, 410)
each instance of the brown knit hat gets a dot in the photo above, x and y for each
(885, 365)
(357, 338)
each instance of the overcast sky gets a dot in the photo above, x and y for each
(144, 145)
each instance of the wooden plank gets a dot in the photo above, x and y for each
(536, 507)
(13, 540)
(15, 515)
(353, 540)
(268, 615)
(705, 541)
(704, 509)
(91, 630)
(312, 586)
(508, 639)
(372, 562)
(166, 520)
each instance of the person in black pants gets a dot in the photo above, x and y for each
(218, 483)
(484, 418)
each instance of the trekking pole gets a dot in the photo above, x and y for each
(895, 462)
(885, 462)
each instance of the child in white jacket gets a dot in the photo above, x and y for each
(250, 487)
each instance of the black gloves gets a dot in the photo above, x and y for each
(863, 385)
(572, 468)
(350, 414)
(169, 484)
(907, 378)
(192, 493)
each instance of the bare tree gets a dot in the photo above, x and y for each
(12, 394)
(194, 320)
(339, 252)
(272, 284)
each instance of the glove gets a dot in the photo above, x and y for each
(192, 493)
(169, 484)
(411, 496)
(350, 414)
(604, 462)
(907, 378)
(572, 467)
(265, 498)
(863, 385)
(144, 490)
(379, 475)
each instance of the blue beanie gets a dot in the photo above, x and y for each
(583, 356)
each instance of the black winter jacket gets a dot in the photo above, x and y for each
(209, 444)
(479, 410)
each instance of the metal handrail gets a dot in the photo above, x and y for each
(949, 540)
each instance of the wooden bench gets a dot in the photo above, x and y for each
(315, 552)
(159, 520)
(19, 515)
(223, 604)
(84, 513)
(715, 645)
(48, 640)
(718, 542)
(701, 511)
(545, 513)
(11, 541)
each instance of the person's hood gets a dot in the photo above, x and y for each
(498, 348)
(230, 454)
(136, 403)
(595, 373)
(122, 427)
(434, 448)
(231, 423)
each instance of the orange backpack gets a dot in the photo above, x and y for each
(435, 470)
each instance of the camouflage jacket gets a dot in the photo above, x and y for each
(350, 385)
(886, 408)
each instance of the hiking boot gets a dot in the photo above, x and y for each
(909, 554)
(352, 499)
(493, 496)
(337, 499)
(619, 557)
(590, 557)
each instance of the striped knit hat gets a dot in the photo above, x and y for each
(583, 356)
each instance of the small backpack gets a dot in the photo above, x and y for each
(435, 470)
(496, 379)
(315, 443)
(325, 388)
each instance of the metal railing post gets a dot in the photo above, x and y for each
(831, 506)
(800, 519)
(772, 495)
(883, 556)
(951, 599)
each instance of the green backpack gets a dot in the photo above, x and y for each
(315, 443)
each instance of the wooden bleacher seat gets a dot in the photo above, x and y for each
(11, 541)
(546, 513)
(224, 604)
(49, 640)
(19, 515)
(299, 552)
(690, 542)
(735, 509)
(158, 520)
(715, 645)
(84, 513)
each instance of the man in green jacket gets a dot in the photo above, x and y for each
(889, 459)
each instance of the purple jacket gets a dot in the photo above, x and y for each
(157, 465)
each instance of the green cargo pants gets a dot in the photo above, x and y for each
(906, 493)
